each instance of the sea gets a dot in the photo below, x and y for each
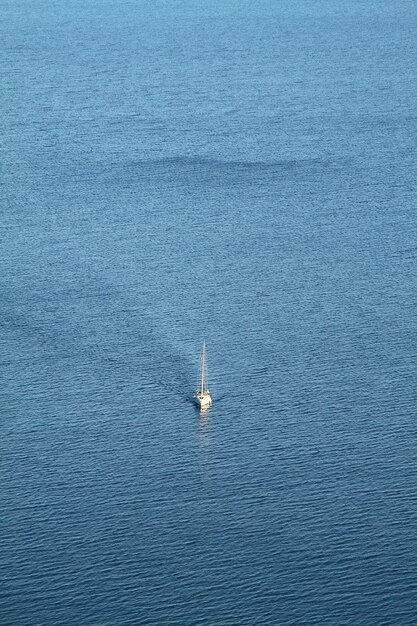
(243, 172)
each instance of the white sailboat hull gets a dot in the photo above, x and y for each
(203, 399)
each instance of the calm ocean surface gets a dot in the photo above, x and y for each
(243, 171)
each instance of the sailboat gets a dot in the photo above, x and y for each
(202, 395)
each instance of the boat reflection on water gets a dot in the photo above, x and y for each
(205, 439)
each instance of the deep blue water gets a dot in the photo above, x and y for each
(243, 171)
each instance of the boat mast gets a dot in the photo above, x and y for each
(203, 365)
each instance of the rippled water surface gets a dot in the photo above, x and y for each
(244, 172)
